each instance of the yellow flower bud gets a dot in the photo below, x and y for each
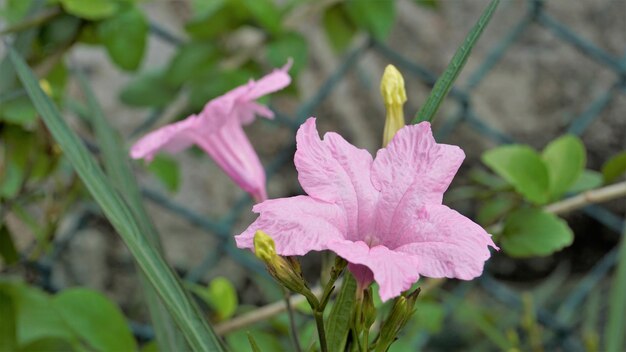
(394, 96)
(264, 246)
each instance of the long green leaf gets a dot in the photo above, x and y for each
(444, 83)
(186, 314)
(118, 169)
(614, 338)
(339, 319)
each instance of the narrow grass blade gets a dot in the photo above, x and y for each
(186, 314)
(444, 83)
(614, 338)
(338, 321)
(118, 170)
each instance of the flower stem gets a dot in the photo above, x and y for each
(292, 323)
(319, 322)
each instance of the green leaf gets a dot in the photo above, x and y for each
(493, 209)
(211, 84)
(565, 158)
(291, 45)
(117, 166)
(376, 17)
(523, 168)
(48, 344)
(186, 314)
(589, 179)
(189, 60)
(91, 10)
(167, 171)
(338, 322)
(7, 248)
(35, 320)
(19, 111)
(87, 312)
(444, 83)
(8, 333)
(15, 10)
(533, 232)
(614, 167)
(238, 341)
(125, 36)
(150, 89)
(220, 295)
(265, 13)
(338, 27)
(253, 345)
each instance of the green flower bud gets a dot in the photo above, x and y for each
(401, 312)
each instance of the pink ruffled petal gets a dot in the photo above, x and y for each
(171, 138)
(248, 111)
(232, 152)
(297, 224)
(447, 243)
(335, 171)
(393, 271)
(269, 83)
(412, 162)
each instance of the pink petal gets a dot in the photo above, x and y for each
(447, 243)
(171, 138)
(297, 224)
(269, 83)
(232, 152)
(412, 162)
(246, 112)
(393, 271)
(335, 171)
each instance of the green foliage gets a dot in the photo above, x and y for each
(167, 171)
(15, 10)
(494, 209)
(532, 232)
(8, 334)
(198, 333)
(49, 344)
(291, 45)
(614, 167)
(587, 180)
(376, 17)
(220, 295)
(523, 168)
(444, 83)
(238, 341)
(92, 9)
(338, 27)
(125, 36)
(190, 60)
(151, 88)
(86, 312)
(338, 321)
(565, 159)
(8, 253)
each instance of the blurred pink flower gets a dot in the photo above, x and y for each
(218, 131)
(383, 216)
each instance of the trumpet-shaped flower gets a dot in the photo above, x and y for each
(383, 215)
(218, 131)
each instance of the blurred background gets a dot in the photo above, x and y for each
(542, 69)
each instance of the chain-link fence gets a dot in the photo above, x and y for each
(564, 333)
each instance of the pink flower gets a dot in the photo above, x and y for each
(384, 216)
(218, 131)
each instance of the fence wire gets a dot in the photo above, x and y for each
(564, 333)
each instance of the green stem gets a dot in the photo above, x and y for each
(292, 323)
(319, 322)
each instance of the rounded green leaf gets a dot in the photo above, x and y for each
(91, 9)
(220, 294)
(97, 320)
(589, 179)
(614, 167)
(124, 36)
(166, 170)
(533, 232)
(189, 60)
(522, 167)
(565, 158)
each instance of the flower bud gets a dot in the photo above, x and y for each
(394, 96)
(285, 270)
(368, 310)
(402, 310)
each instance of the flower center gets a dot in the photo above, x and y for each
(371, 241)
